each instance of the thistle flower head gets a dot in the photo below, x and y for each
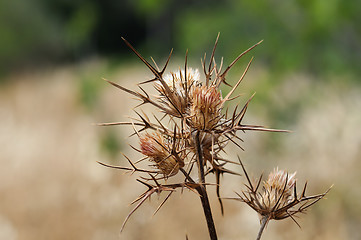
(277, 191)
(278, 198)
(179, 82)
(175, 91)
(206, 107)
(157, 149)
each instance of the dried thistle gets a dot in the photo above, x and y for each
(190, 135)
(181, 87)
(278, 198)
(159, 150)
(206, 108)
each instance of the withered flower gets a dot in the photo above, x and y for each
(278, 199)
(277, 191)
(205, 108)
(180, 83)
(175, 91)
(158, 150)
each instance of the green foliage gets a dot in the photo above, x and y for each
(150, 7)
(80, 26)
(25, 33)
(316, 36)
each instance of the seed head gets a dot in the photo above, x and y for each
(278, 198)
(179, 83)
(277, 191)
(175, 96)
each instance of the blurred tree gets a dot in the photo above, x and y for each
(300, 35)
(315, 36)
(26, 33)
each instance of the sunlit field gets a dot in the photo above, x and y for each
(53, 188)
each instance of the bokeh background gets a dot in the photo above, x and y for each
(54, 54)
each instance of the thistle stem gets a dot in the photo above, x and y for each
(264, 221)
(201, 189)
(200, 159)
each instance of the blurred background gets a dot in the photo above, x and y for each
(54, 54)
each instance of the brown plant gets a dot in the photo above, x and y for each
(278, 198)
(194, 128)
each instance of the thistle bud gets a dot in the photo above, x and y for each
(155, 147)
(206, 107)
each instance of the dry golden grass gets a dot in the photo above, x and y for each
(52, 188)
